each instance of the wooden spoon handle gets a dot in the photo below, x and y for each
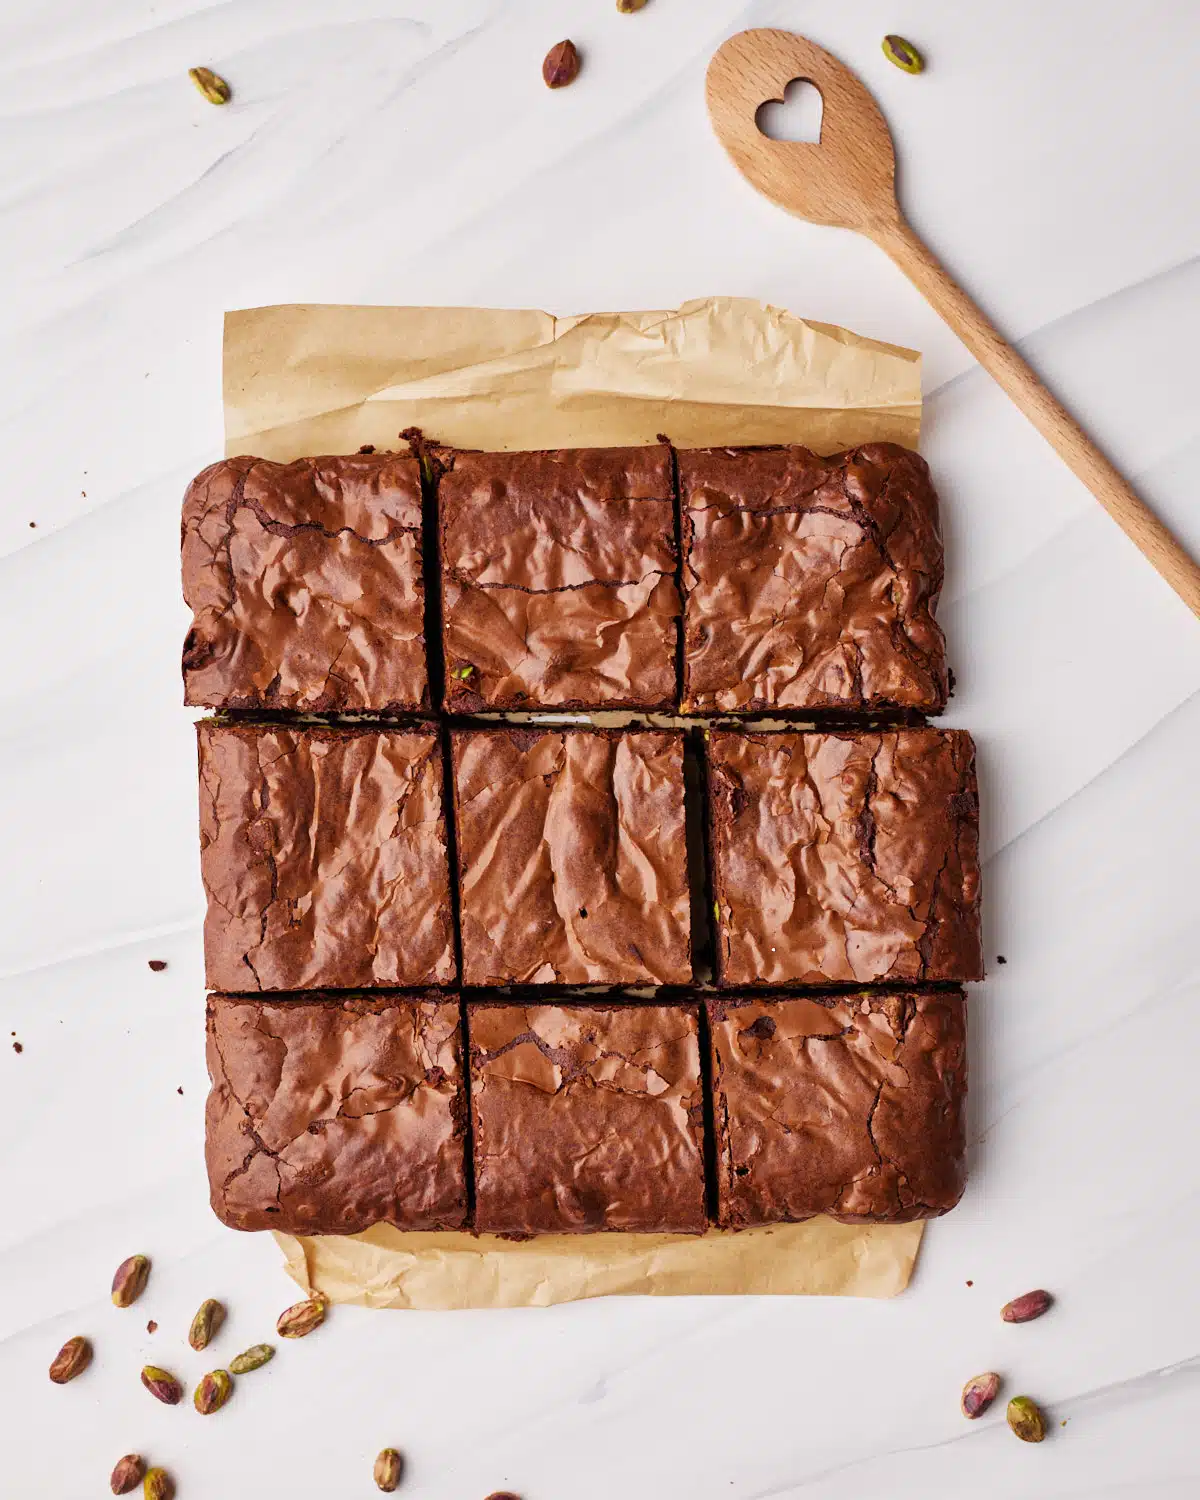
(1053, 421)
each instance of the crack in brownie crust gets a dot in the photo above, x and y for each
(845, 857)
(587, 1118)
(811, 582)
(330, 1114)
(558, 579)
(853, 1107)
(305, 585)
(323, 854)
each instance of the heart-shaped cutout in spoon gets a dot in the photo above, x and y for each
(848, 179)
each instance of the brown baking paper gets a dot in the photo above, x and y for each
(308, 380)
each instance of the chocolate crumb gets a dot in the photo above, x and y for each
(1000, 958)
(367, 448)
(17, 1047)
(970, 1283)
(33, 524)
(151, 1326)
(179, 1091)
(158, 964)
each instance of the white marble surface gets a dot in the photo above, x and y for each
(405, 151)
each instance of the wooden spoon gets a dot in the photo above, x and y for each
(848, 179)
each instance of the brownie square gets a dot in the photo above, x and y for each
(845, 857)
(323, 856)
(811, 583)
(587, 1117)
(305, 585)
(572, 858)
(852, 1106)
(558, 579)
(333, 1113)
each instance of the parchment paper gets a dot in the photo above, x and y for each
(310, 380)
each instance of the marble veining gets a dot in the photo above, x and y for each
(405, 151)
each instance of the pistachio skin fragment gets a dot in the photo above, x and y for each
(162, 1385)
(252, 1359)
(561, 65)
(212, 1392)
(301, 1318)
(1025, 1308)
(211, 85)
(1026, 1420)
(206, 1324)
(71, 1360)
(129, 1280)
(627, 7)
(903, 54)
(158, 1485)
(128, 1474)
(388, 1468)
(979, 1393)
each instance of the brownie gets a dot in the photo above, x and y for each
(572, 857)
(851, 1106)
(305, 585)
(847, 857)
(558, 579)
(331, 1113)
(587, 1117)
(811, 583)
(323, 855)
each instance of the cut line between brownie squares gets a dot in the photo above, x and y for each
(331, 1113)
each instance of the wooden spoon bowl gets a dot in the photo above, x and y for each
(848, 179)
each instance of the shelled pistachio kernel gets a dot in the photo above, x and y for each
(251, 1359)
(206, 1324)
(129, 1280)
(388, 1467)
(211, 85)
(903, 54)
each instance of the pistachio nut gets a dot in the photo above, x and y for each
(979, 1393)
(128, 1474)
(251, 1359)
(301, 1318)
(1026, 1419)
(212, 1392)
(561, 65)
(206, 1324)
(71, 1360)
(162, 1385)
(903, 54)
(129, 1280)
(158, 1485)
(211, 85)
(387, 1470)
(1024, 1309)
